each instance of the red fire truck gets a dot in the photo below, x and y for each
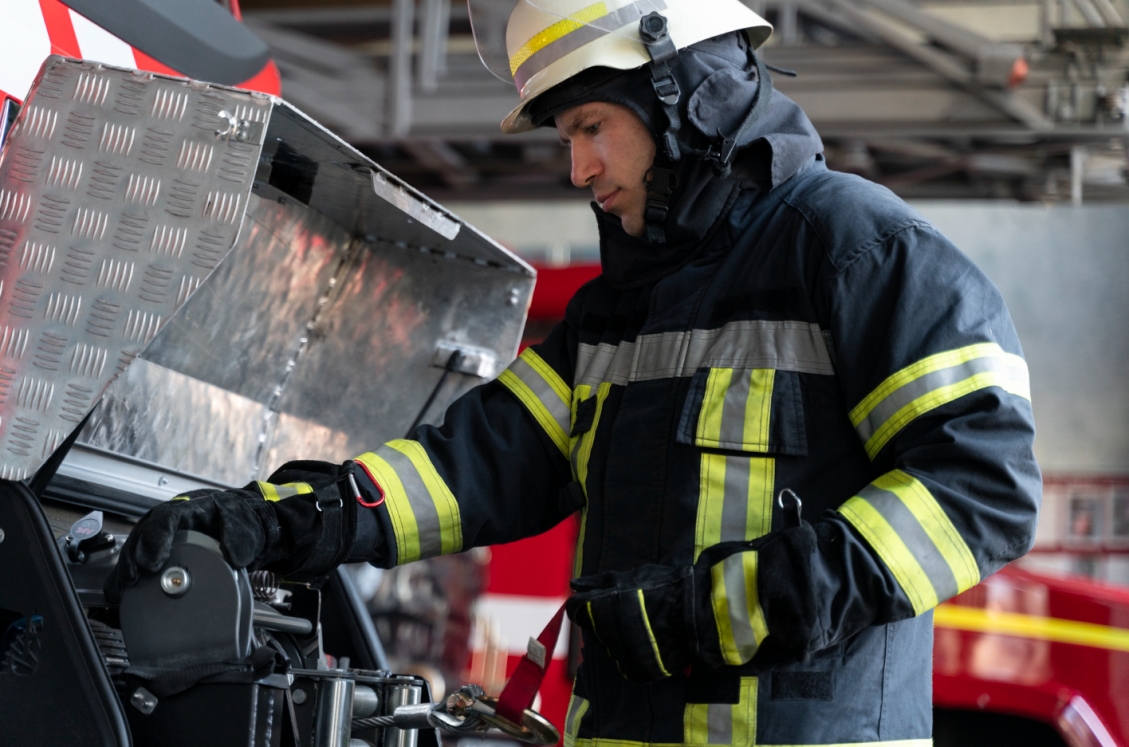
(1023, 658)
(126, 33)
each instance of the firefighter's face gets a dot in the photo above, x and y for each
(611, 153)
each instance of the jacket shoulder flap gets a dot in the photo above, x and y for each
(849, 214)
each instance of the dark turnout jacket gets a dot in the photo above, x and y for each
(823, 337)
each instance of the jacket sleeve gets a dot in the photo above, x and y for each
(937, 389)
(495, 471)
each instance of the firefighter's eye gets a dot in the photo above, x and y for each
(593, 128)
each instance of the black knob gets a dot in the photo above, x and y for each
(652, 28)
(86, 536)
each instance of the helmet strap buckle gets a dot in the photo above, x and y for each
(661, 183)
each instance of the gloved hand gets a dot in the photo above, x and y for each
(655, 621)
(301, 524)
(646, 618)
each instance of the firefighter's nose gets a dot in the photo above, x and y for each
(586, 165)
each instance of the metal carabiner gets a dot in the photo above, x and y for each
(791, 511)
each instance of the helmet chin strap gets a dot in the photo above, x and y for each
(661, 179)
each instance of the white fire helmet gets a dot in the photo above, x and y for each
(537, 44)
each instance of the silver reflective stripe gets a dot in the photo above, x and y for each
(735, 507)
(784, 346)
(909, 529)
(907, 393)
(423, 506)
(733, 410)
(719, 723)
(576, 709)
(733, 571)
(585, 33)
(548, 397)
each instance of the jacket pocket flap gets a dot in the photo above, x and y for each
(758, 410)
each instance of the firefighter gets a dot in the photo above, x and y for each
(794, 416)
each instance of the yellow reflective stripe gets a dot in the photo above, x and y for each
(745, 714)
(447, 508)
(556, 31)
(582, 453)
(736, 411)
(404, 526)
(181, 498)
(713, 406)
(916, 540)
(577, 707)
(423, 511)
(711, 501)
(696, 723)
(936, 524)
(893, 551)
(604, 742)
(544, 394)
(723, 723)
(272, 492)
(734, 499)
(719, 596)
(758, 409)
(740, 622)
(551, 377)
(932, 382)
(758, 514)
(651, 633)
(1019, 625)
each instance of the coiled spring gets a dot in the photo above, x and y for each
(264, 585)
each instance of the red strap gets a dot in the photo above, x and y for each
(519, 692)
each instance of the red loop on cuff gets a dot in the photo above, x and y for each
(375, 484)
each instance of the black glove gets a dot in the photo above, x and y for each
(301, 524)
(645, 618)
(656, 620)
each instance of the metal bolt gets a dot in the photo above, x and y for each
(143, 700)
(162, 481)
(515, 296)
(299, 696)
(175, 581)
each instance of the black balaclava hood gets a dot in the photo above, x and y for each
(718, 80)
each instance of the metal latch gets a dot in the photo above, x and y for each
(471, 360)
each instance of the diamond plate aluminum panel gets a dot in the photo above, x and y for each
(117, 197)
(323, 332)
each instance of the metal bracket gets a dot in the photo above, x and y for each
(385, 186)
(475, 361)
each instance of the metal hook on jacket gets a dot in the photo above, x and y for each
(791, 506)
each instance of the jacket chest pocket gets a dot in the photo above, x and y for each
(753, 410)
(741, 419)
